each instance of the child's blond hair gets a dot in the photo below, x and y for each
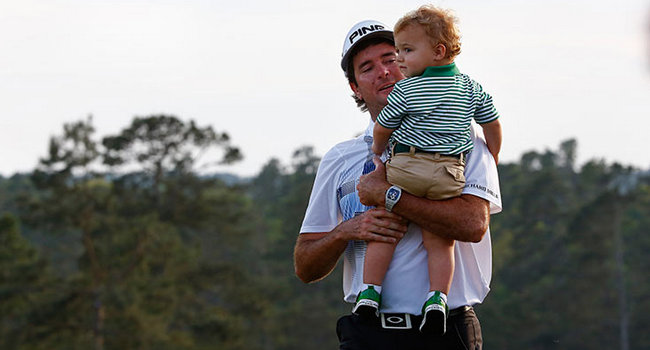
(439, 24)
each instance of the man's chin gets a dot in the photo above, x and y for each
(386, 91)
(383, 95)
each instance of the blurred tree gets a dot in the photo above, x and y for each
(538, 198)
(149, 253)
(145, 280)
(163, 143)
(636, 237)
(24, 277)
(302, 315)
(560, 272)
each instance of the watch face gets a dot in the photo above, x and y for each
(392, 194)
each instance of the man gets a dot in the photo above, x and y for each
(337, 223)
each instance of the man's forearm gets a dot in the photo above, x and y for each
(316, 255)
(465, 218)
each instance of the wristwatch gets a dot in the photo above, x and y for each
(393, 194)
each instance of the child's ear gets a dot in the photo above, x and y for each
(439, 52)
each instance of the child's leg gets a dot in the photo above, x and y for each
(440, 257)
(378, 258)
(375, 265)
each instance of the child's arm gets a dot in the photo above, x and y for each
(380, 136)
(492, 131)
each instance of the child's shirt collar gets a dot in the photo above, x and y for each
(441, 71)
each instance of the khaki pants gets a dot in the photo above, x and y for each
(426, 174)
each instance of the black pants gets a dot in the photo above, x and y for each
(463, 333)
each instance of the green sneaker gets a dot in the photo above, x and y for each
(368, 303)
(434, 312)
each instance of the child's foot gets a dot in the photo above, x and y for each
(434, 314)
(367, 303)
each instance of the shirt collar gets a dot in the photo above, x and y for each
(367, 137)
(441, 71)
(369, 128)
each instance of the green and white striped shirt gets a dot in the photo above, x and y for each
(433, 111)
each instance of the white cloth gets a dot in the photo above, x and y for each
(334, 198)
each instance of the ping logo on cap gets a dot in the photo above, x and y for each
(363, 30)
(360, 32)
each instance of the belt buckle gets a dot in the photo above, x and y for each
(396, 321)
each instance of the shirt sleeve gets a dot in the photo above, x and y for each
(323, 213)
(391, 116)
(481, 177)
(485, 111)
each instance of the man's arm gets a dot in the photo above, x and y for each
(315, 254)
(464, 218)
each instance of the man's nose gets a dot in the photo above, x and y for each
(384, 71)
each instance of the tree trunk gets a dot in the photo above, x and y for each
(620, 276)
(98, 331)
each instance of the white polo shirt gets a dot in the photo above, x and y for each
(334, 198)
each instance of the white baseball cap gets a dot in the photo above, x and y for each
(360, 32)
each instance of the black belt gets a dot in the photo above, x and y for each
(402, 148)
(408, 321)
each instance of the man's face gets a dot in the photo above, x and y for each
(376, 72)
(415, 51)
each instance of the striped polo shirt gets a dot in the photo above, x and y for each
(433, 111)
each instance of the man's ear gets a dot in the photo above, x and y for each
(356, 91)
(439, 52)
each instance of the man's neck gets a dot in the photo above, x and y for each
(374, 113)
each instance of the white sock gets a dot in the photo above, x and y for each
(443, 296)
(375, 287)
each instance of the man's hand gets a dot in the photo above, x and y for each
(316, 254)
(375, 224)
(372, 187)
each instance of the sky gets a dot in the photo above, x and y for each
(268, 72)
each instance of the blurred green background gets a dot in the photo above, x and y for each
(125, 242)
